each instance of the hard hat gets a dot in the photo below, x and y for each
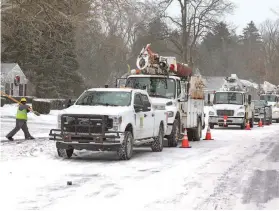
(23, 99)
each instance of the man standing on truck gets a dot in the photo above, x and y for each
(21, 121)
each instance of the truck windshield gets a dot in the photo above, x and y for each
(106, 98)
(268, 98)
(156, 87)
(228, 98)
(259, 103)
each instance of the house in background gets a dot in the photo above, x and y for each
(13, 80)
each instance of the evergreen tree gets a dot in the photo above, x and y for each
(252, 52)
(215, 51)
(44, 46)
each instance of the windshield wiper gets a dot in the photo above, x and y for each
(154, 95)
(105, 104)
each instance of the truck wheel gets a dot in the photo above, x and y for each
(65, 153)
(252, 122)
(211, 126)
(125, 151)
(157, 145)
(190, 134)
(277, 120)
(243, 125)
(197, 132)
(175, 134)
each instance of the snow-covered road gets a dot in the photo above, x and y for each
(237, 170)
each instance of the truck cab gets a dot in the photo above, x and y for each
(273, 101)
(231, 108)
(171, 92)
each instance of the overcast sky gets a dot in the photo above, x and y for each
(247, 10)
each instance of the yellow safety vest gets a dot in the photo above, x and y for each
(21, 114)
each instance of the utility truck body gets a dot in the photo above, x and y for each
(171, 84)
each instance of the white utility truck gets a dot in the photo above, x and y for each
(170, 84)
(232, 105)
(270, 93)
(110, 119)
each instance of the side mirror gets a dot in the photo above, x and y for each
(138, 108)
(208, 99)
(120, 82)
(249, 99)
(147, 108)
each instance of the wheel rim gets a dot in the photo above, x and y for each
(176, 133)
(129, 146)
(161, 138)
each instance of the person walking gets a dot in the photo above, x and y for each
(21, 121)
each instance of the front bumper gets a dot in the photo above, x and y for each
(95, 142)
(216, 120)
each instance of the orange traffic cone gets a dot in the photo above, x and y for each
(248, 126)
(260, 123)
(208, 135)
(185, 141)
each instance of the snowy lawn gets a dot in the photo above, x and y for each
(239, 169)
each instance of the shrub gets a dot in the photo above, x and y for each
(57, 104)
(42, 106)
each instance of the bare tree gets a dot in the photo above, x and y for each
(195, 19)
(270, 33)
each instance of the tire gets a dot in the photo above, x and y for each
(211, 126)
(251, 122)
(65, 153)
(158, 145)
(175, 134)
(197, 132)
(125, 151)
(277, 120)
(190, 134)
(242, 127)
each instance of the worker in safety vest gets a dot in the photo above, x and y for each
(21, 121)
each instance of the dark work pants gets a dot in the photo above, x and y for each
(20, 124)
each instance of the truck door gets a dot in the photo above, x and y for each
(139, 117)
(149, 117)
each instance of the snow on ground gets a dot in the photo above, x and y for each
(239, 169)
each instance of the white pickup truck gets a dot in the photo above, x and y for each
(110, 119)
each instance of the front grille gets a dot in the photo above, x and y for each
(225, 112)
(86, 124)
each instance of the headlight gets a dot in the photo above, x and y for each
(170, 113)
(276, 112)
(59, 121)
(211, 113)
(169, 103)
(117, 120)
(240, 114)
